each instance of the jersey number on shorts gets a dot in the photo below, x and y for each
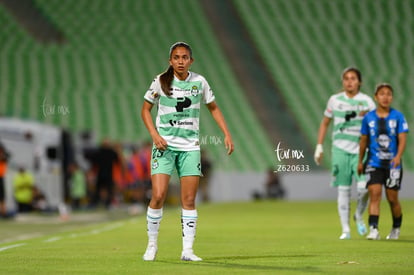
(156, 153)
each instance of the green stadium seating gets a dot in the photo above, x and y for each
(113, 49)
(307, 44)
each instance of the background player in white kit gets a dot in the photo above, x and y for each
(178, 94)
(347, 109)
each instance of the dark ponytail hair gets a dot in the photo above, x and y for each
(167, 77)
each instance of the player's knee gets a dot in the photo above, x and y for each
(375, 196)
(158, 197)
(188, 201)
(393, 201)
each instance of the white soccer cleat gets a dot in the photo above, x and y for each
(345, 236)
(188, 255)
(150, 253)
(394, 234)
(373, 234)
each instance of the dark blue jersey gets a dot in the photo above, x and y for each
(383, 136)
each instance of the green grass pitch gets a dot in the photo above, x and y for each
(263, 237)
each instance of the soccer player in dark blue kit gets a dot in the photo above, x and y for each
(384, 133)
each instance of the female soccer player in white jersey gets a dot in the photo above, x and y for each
(178, 94)
(347, 109)
(384, 133)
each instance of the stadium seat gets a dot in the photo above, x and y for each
(111, 54)
(307, 44)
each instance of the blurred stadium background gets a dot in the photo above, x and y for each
(83, 66)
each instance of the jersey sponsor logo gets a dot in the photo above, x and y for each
(384, 141)
(173, 122)
(182, 102)
(211, 91)
(154, 94)
(405, 126)
(383, 155)
(349, 115)
(194, 91)
(181, 115)
(350, 130)
(180, 123)
(360, 109)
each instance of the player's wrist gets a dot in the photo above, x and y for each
(319, 148)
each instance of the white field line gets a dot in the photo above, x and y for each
(55, 239)
(107, 228)
(97, 230)
(22, 237)
(11, 246)
(133, 221)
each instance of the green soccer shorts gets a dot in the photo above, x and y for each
(344, 169)
(187, 163)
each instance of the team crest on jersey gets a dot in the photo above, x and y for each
(194, 90)
(392, 123)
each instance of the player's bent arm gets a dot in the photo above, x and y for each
(159, 142)
(219, 118)
(402, 141)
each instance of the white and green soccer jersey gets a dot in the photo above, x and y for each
(347, 114)
(178, 115)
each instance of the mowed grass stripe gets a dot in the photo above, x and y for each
(264, 237)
